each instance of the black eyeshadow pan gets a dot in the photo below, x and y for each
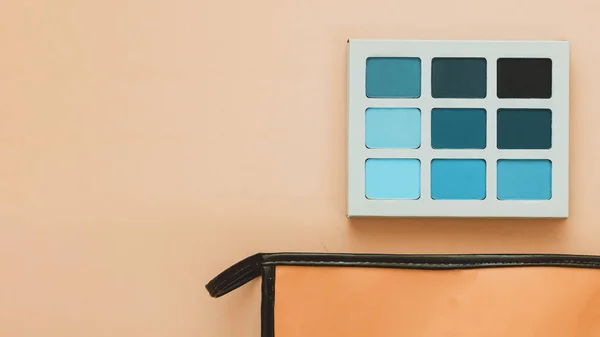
(524, 78)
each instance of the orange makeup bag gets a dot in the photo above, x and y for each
(366, 295)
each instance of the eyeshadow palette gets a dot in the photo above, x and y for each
(458, 128)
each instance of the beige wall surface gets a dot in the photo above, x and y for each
(147, 145)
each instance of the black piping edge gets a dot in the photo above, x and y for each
(251, 267)
(432, 261)
(267, 307)
(236, 276)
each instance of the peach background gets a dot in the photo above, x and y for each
(147, 145)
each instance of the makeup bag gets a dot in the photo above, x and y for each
(365, 295)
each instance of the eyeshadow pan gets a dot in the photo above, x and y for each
(524, 128)
(393, 77)
(393, 128)
(524, 179)
(458, 179)
(524, 78)
(390, 178)
(458, 78)
(458, 128)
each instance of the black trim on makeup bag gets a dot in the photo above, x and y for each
(236, 276)
(254, 266)
(267, 307)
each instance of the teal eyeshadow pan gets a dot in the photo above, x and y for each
(458, 128)
(451, 128)
(524, 129)
(458, 77)
(393, 77)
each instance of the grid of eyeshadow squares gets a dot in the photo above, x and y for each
(517, 128)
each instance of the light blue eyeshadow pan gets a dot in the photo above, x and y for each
(393, 128)
(387, 178)
(524, 179)
(458, 179)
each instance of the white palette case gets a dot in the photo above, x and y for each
(359, 205)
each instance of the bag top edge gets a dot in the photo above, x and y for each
(252, 266)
